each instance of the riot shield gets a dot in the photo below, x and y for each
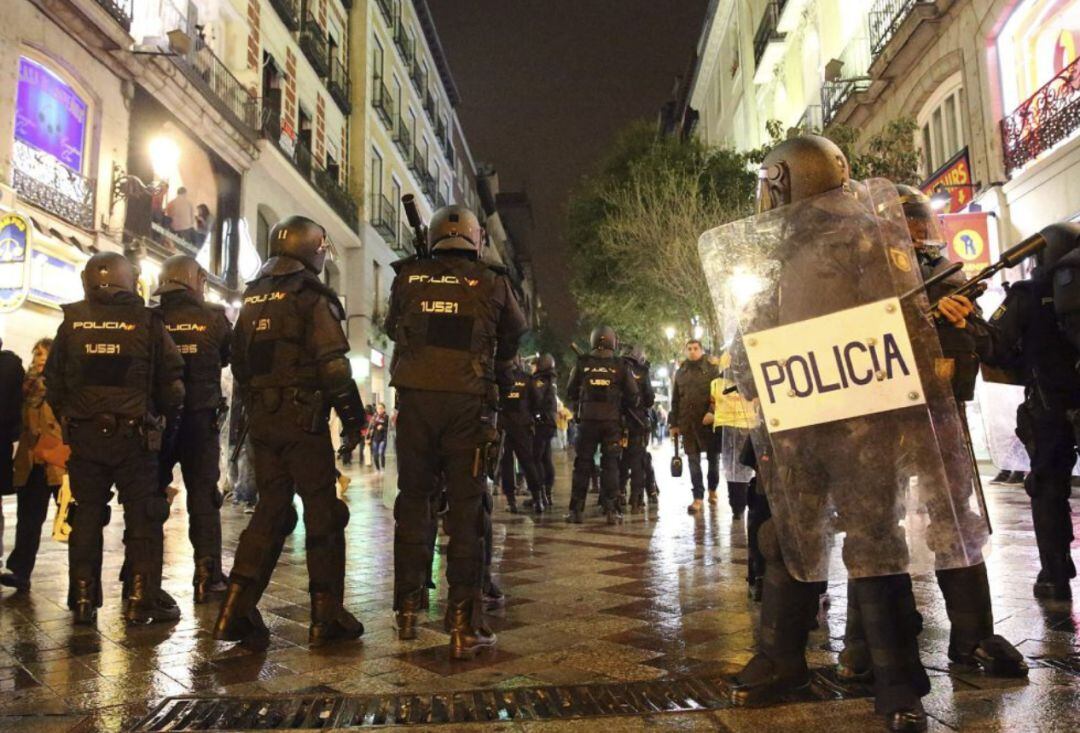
(859, 437)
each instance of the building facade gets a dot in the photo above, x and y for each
(992, 85)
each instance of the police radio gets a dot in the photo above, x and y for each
(676, 461)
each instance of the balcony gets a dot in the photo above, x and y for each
(419, 78)
(811, 120)
(382, 103)
(45, 182)
(333, 192)
(120, 10)
(219, 86)
(440, 201)
(313, 44)
(429, 186)
(384, 217)
(404, 45)
(835, 93)
(403, 244)
(289, 12)
(429, 106)
(388, 11)
(886, 17)
(339, 86)
(403, 138)
(1047, 118)
(768, 43)
(418, 164)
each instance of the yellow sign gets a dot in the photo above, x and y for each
(14, 261)
(968, 245)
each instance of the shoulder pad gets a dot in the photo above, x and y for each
(397, 265)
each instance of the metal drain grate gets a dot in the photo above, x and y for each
(315, 710)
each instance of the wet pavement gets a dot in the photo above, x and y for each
(662, 596)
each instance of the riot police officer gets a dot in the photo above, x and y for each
(965, 339)
(1032, 330)
(601, 388)
(516, 411)
(638, 430)
(112, 376)
(288, 353)
(456, 327)
(202, 333)
(545, 403)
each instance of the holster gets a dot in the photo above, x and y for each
(488, 452)
(313, 414)
(152, 429)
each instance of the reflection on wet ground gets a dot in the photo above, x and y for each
(662, 595)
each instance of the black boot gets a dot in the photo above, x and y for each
(614, 516)
(547, 497)
(1051, 588)
(405, 617)
(331, 622)
(466, 637)
(972, 641)
(912, 720)
(145, 604)
(207, 580)
(575, 515)
(511, 504)
(84, 602)
(854, 666)
(240, 621)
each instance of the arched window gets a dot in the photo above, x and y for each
(941, 125)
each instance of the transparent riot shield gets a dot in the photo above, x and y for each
(859, 437)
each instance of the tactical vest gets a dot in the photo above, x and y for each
(446, 334)
(108, 361)
(274, 330)
(601, 387)
(542, 385)
(514, 402)
(195, 328)
(1049, 359)
(957, 344)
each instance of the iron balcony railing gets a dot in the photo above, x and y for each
(313, 44)
(403, 138)
(219, 85)
(403, 244)
(339, 85)
(885, 18)
(811, 120)
(835, 93)
(384, 217)
(388, 11)
(404, 45)
(418, 164)
(440, 201)
(42, 180)
(382, 103)
(419, 77)
(766, 31)
(448, 153)
(427, 182)
(1045, 119)
(289, 12)
(120, 10)
(429, 106)
(325, 183)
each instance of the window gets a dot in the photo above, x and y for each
(446, 193)
(376, 289)
(50, 116)
(941, 129)
(377, 56)
(1039, 40)
(412, 123)
(395, 188)
(397, 98)
(376, 178)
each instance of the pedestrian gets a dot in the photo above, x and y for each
(731, 418)
(112, 377)
(447, 383)
(545, 405)
(379, 430)
(563, 417)
(204, 225)
(516, 418)
(689, 406)
(1035, 336)
(601, 387)
(637, 431)
(12, 378)
(288, 352)
(202, 333)
(40, 465)
(181, 213)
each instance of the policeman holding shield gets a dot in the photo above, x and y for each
(852, 416)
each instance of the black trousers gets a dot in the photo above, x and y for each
(440, 433)
(757, 513)
(633, 468)
(1050, 441)
(289, 460)
(702, 440)
(593, 434)
(542, 436)
(97, 463)
(196, 446)
(32, 507)
(519, 444)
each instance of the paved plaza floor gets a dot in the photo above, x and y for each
(662, 596)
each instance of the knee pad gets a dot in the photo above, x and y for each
(768, 542)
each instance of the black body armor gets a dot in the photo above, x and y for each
(201, 333)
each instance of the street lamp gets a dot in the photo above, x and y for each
(164, 157)
(669, 331)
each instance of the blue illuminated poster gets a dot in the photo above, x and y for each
(49, 115)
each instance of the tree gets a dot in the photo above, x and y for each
(633, 231)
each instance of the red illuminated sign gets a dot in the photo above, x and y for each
(968, 240)
(955, 176)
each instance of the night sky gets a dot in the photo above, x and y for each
(545, 84)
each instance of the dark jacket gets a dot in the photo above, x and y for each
(11, 396)
(516, 399)
(202, 334)
(601, 387)
(639, 417)
(690, 394)
(545, 401)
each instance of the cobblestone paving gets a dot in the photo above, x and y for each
(663, 594)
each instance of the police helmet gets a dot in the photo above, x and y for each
(454, 227)
(800, 168)
(1061, 239)
(302, 239)
(182, 272)
(546, 363)
(923, 222)
(109, 270)
(635, 353)
(603, 337)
